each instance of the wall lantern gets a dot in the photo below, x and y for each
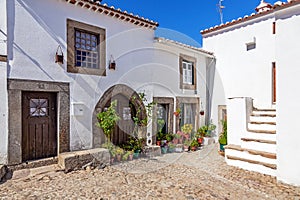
(112, 63)
(59, 55)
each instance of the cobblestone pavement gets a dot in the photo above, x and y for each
(197, 175)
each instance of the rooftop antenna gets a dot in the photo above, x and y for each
(220, 8)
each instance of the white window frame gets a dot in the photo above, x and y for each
(187, 72)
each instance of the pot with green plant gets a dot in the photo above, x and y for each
(194, 144)
(177, 112)
(128, 155)
(119, 153)
(186, 144)
(223, 136)
(108, 119)
(164, 148)
(171, 148)
(176, 138)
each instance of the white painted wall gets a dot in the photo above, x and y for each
(3, 28)
(3, 86)
(3, 113)
(242, 73)
(37, 32)
(288, 106)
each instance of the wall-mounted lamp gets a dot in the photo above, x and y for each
(112, 63)
(59, 55)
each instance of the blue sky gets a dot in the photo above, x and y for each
(179, 18)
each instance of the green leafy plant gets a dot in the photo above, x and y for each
(223, 135)
(169, 137)
(119, 151)
(194, 143)
(108, 119)
(187, 128)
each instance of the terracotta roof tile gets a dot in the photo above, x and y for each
(275, 7)
(116, 13)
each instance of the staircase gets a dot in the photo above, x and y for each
(257, 151)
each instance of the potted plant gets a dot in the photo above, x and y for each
(177, 112)
(194, 144)
(171, 148)
(164, 148)
(128, 155)
(186, 144)
(169, 137)
(176, 138)
(223, 136)
(112, 151)
(211, 127)
(119, 153)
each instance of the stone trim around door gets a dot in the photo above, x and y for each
(15, 89)
(163, 100)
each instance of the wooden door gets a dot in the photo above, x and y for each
(39, 125)
(125, 125)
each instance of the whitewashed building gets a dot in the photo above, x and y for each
(63, 61)
(256, 79)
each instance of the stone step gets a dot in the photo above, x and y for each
(262, 122)
(251, 151)
(262, 128)
(252, 165)
(262, 119)
(259, 144)
(263, 114)
(263, 131)
(260, 135)
(264, 109)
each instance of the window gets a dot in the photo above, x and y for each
(87, 54)
(86, 48)
(38, 107)
(187, 68)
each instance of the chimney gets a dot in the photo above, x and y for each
(263, 6)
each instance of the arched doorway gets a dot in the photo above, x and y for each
(128, 103)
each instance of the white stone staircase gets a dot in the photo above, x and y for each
(257, 151)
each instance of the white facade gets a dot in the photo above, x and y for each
(36, 29)
(242, 73)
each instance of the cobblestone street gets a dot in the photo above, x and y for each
(197, 175)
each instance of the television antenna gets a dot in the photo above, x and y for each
(220, 8)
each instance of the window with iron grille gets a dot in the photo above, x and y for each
(86, 48)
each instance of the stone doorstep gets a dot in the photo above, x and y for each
(259, 123)
(34, 164)
(78, 159)
(250, 151)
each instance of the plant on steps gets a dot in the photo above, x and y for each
(223, 135)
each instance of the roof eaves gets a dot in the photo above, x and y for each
(247, 18)
(113, 12)
(165, 40)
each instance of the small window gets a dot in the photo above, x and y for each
(86, 48)
(38, 107)
(274, 27)
(250, 46)
(187, 68)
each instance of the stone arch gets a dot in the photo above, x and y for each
(115, 91)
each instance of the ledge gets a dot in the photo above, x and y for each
(251, 151)
(272, 166)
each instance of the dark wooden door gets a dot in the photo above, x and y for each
(125, 125)
(39, 124)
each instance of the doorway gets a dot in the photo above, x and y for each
(39, 125)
